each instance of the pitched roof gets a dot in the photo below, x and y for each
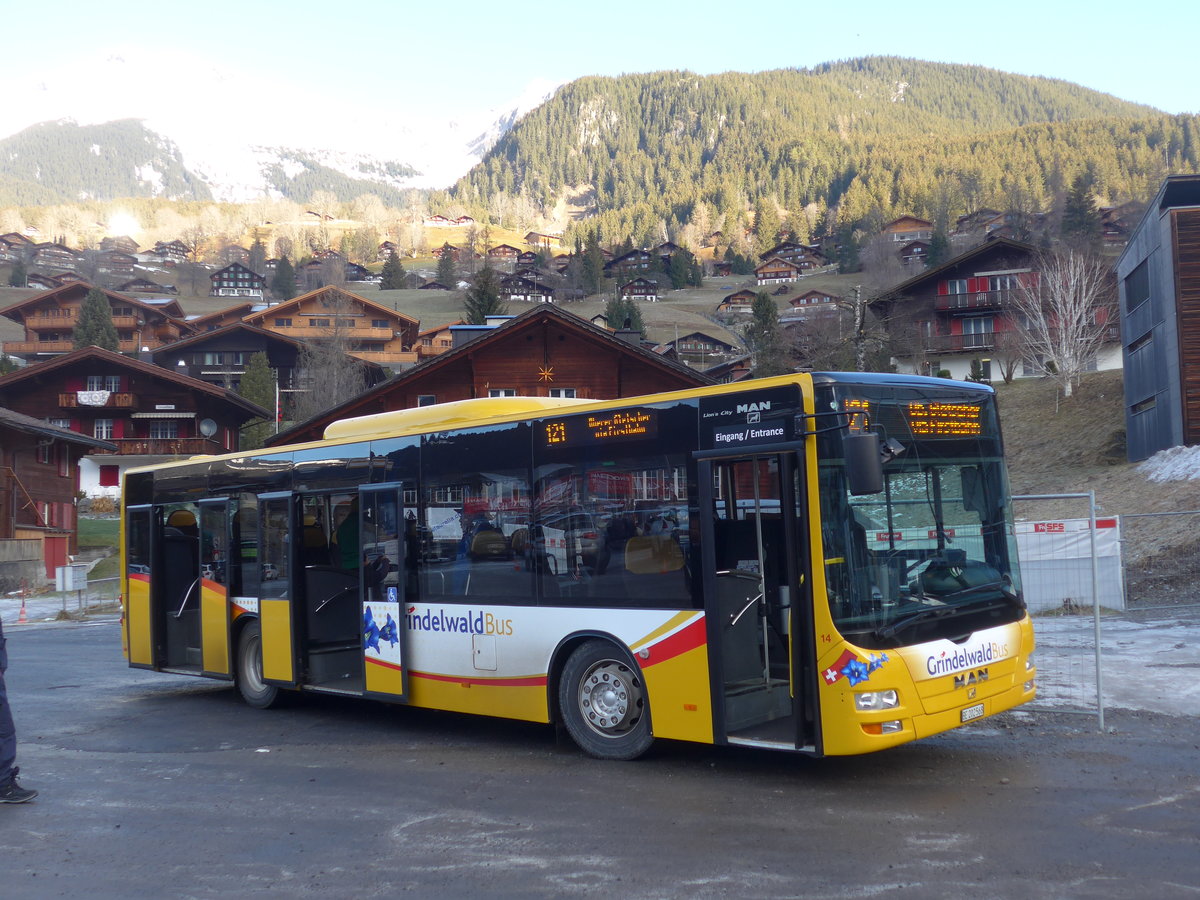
(295, 303)
(30, 425)
(109, 358)
(951, 264)
(68, 289)
(528, 319)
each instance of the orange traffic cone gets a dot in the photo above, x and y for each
(21, 620)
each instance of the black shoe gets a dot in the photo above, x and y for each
(14, 793)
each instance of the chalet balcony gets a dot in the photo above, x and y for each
(976, 300)
(959, 343)
(116, 400)
(60, 320)
(27, 348)
(166, 446)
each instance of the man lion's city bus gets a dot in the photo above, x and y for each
(820, 563)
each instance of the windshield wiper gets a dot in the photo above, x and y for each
(930, 612)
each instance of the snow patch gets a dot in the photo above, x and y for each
(1172, 464)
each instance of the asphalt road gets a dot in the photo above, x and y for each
(163, 786)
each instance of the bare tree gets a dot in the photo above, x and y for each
(328, 373)
(1063, 313)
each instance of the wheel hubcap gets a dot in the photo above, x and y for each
(610, 698)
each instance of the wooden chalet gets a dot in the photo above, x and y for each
(526, 259)
(234, 253)
(722, 269)
(386, 250)
(738, 301)
(434, 286)
(222, 317)
(809, 299)
(697, 345)
(120, 244)
(639, 289)
(437, 221)
(736, 369)
(776, 271)
(545, 241)
(116, 264)
(368, 330)
(360, 274)
(436, 340)
(465, 220)
(41, 282)
(150, 413)
(237, 280)
(49, 318)
(145, 286)
(914, 254)
(52, 255)
(14, 246)
(630, 263)
(908, 228)
(503, 251)
(458, 254)
(525, 289)
(543, 352)
(39, 484)
(172, 252)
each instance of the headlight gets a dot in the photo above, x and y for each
(1029, 662)
(872, 700)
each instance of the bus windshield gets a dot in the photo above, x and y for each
(933, 554)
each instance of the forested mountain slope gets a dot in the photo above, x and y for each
(874, 137)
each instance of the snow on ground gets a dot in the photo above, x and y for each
(1147, 664)
(1172, 464)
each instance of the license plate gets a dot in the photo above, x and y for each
(972, 712)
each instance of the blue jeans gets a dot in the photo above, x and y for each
(8, 731)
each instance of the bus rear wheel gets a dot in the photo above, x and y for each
(255, 691)
(603, 702)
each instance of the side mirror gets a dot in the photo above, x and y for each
(864, 463)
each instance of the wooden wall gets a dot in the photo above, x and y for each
(1186, 249)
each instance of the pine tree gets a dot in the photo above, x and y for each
(18, 277)
(1081, 221)
(95, 327)
(258, 257)
(283, 283)
(258, 386)
(593, 264)
(393, 274)
(618, 311)
(447, 270)
(483, 297)
(766, 337)
(939, 248)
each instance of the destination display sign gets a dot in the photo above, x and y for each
(925, 419)
(601, 428)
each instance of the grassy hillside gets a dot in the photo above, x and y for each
(1078, 445)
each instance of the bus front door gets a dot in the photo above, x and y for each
(213, 583)
(751, 564)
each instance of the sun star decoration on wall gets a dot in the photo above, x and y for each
(545, 373)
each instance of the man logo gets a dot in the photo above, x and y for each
(967, 680)
(754, 407)
(753, 418)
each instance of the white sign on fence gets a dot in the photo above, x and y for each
(70, 578)
(1056, 563)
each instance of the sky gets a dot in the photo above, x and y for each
(382, 66)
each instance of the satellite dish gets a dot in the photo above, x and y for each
(208, 427)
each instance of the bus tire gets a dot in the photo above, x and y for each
(603, 703)
(254, 690)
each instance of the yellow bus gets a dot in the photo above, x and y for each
(818, 563)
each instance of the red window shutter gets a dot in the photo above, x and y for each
(119, 428)
(75, 383)
(109, 476)
(943, 288)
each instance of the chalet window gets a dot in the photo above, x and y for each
(110, 476)
(283, 323)
(345, 323)
(502, 392)
(1003, 283)
(379, 323)
(563, 392)
(164, 429)
(122, 310)
(956, 286)
(427, 342)
(64, 460)
(45, 454)
(110, 383)
(426, 399)
(103, 429)
(1035, 366)
(60, 423)
(318, 323)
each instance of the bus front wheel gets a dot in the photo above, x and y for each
(603, 702)
(254, 689)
